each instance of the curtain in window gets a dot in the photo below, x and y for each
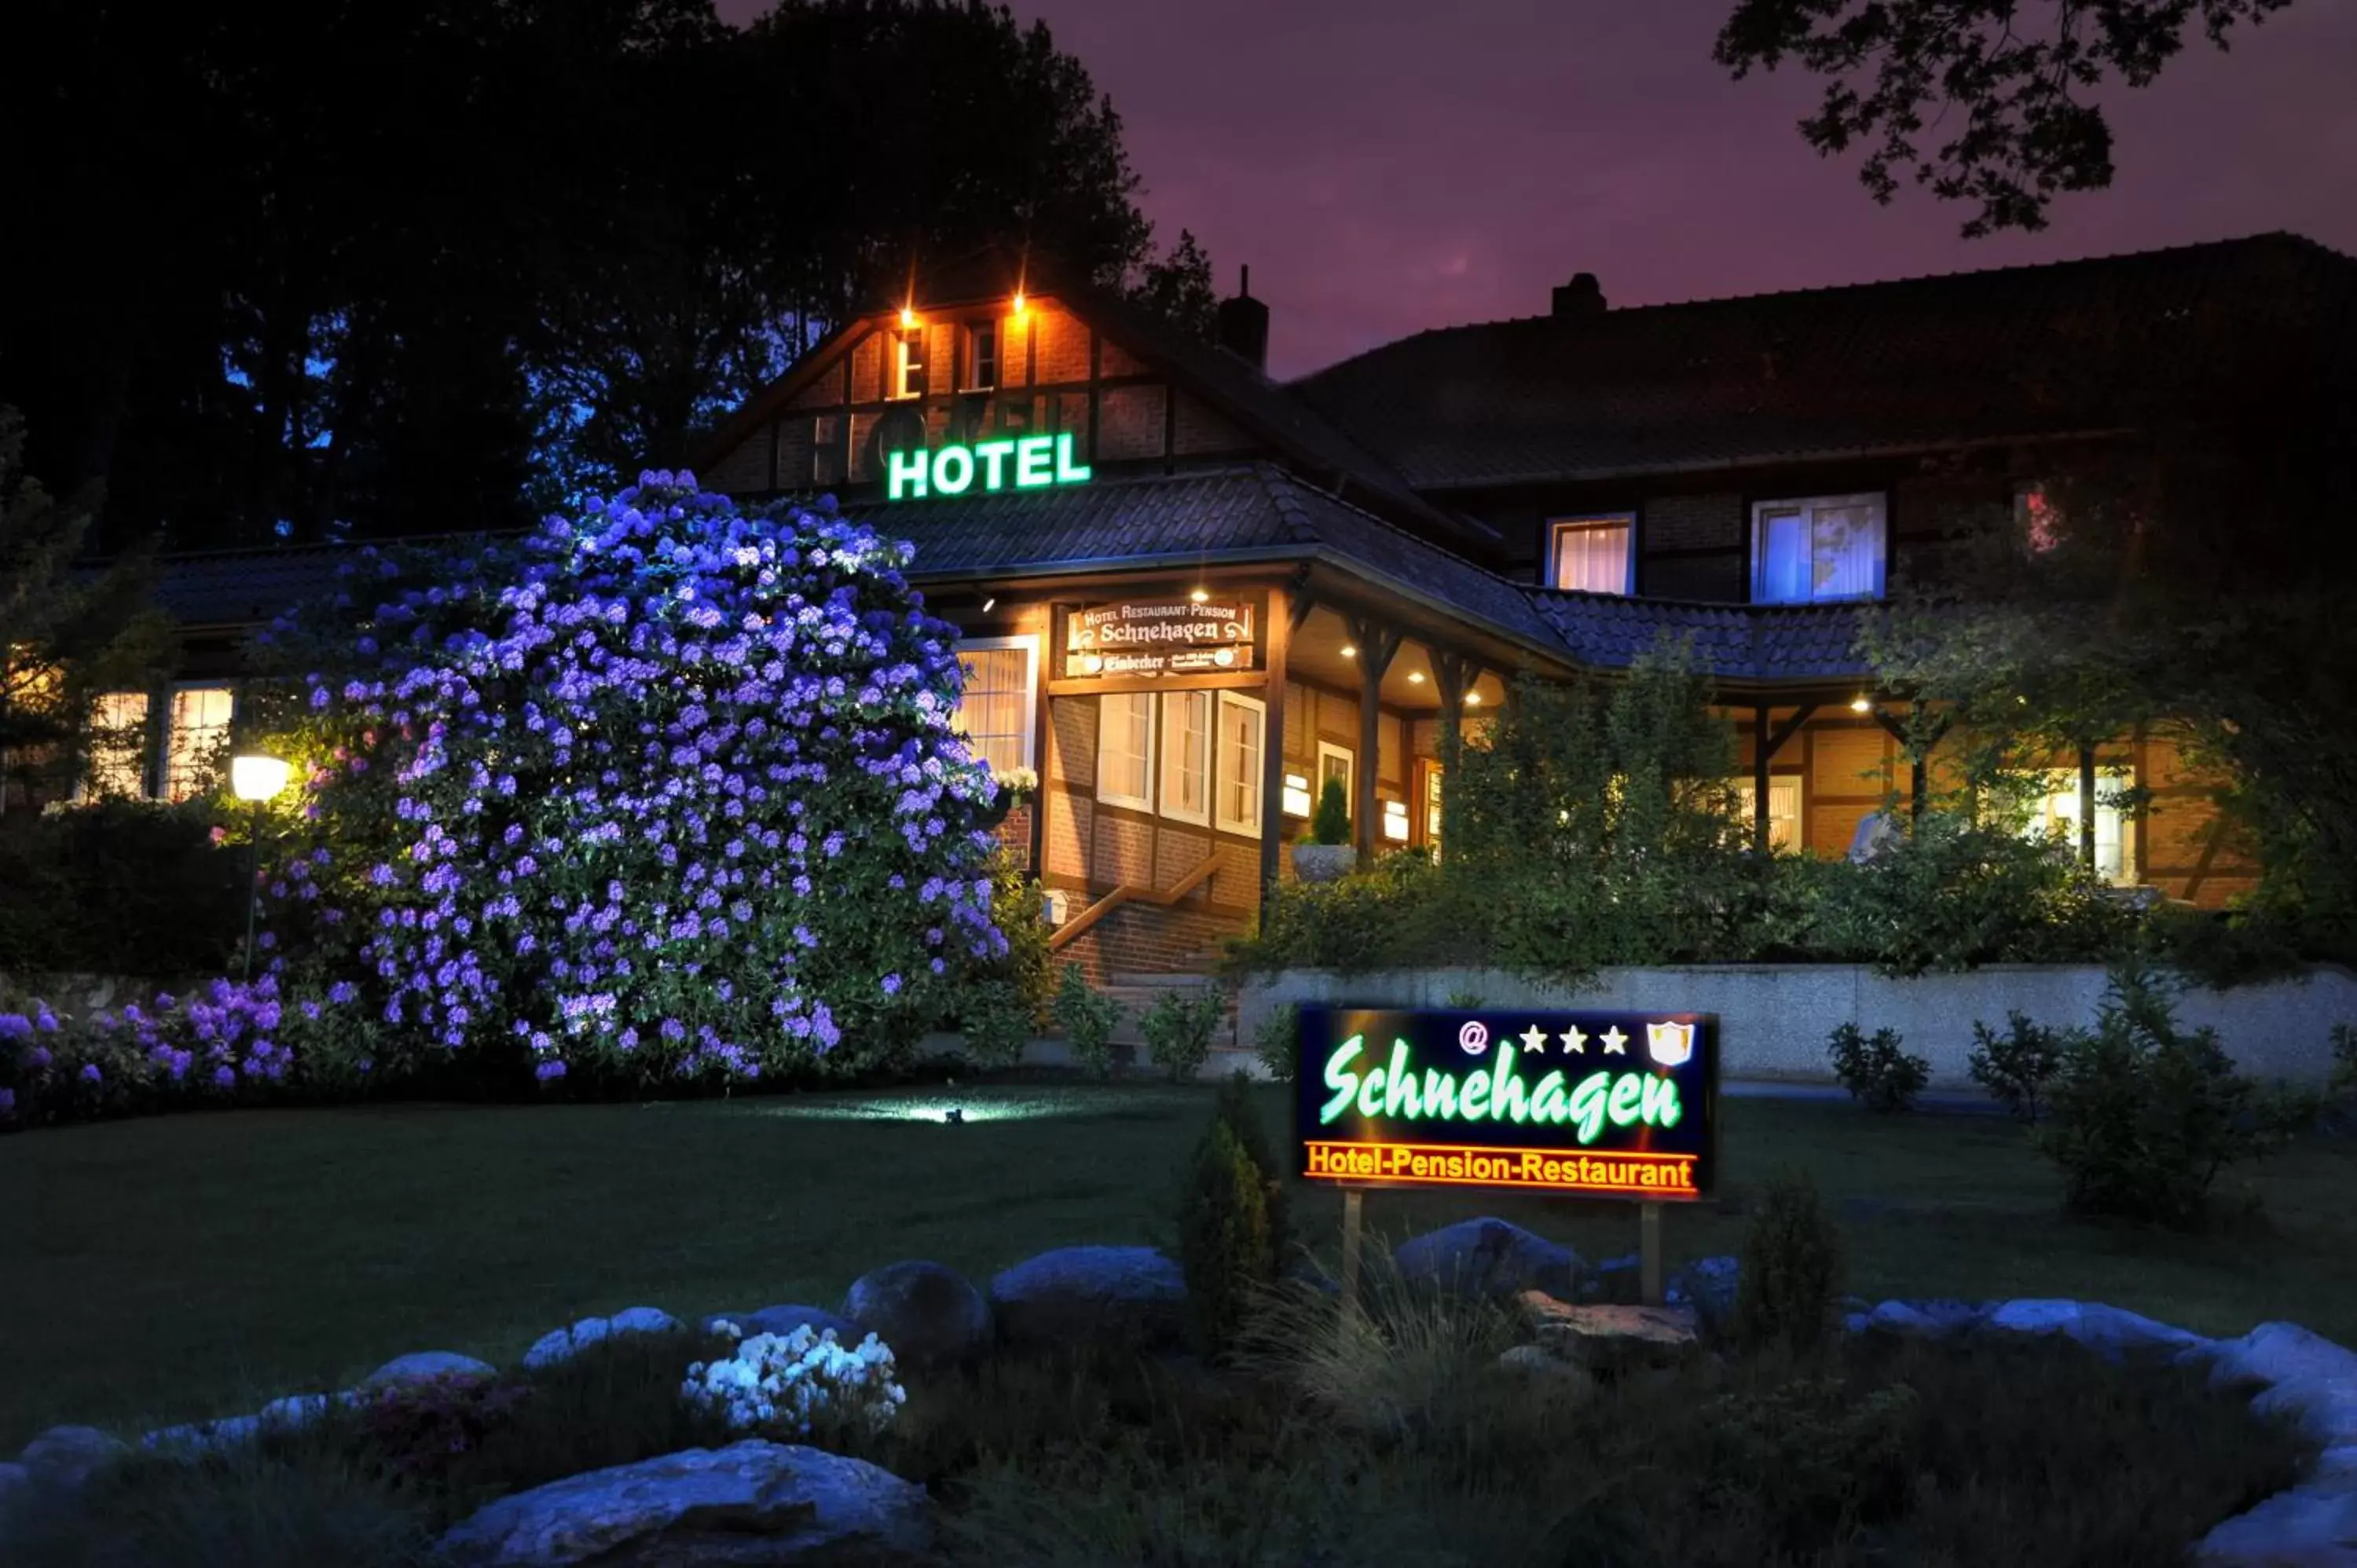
(994, 708)
(1125, 747)
(1239, 766)
(1593, 557)
(1186, 755)
(1847, 542)
(1785, 571)
(201, 719)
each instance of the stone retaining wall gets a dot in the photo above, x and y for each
(1773, 1018)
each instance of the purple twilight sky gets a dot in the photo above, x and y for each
(1386, 165)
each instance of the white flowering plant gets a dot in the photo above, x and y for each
(806, 1384)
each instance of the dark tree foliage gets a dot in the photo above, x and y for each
(319, 269)
(1987, 101)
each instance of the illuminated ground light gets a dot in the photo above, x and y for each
(936, 1107)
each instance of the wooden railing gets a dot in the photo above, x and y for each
(1132, 893)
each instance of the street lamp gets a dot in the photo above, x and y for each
(255, 778)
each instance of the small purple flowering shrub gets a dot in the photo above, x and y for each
(670, 789)
(421, 1428)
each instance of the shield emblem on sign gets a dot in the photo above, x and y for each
(1670, 1044)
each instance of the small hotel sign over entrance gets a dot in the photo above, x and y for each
(1017, 462)
(1584, 1104)
(1177, 636)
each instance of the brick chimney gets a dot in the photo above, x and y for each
(1243, 326)
(1583, 296)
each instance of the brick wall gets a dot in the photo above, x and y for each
(1202, 430)
(1129, 421)
(1671, 528)
(1064, 345)
(1136, 939)
(743, 470)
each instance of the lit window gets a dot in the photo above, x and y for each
(1783, 810)
(1337, 762)
(197, 739)
(2056, 814)
(1296, 801)
(1827, 547)
(908, 362)
(1241, 721)
(1432, 811)
(1186, 757)
(981, 356)
(118, 745)
(998, 699)
(1126, 749)
(1593, 554)
(1395, 821)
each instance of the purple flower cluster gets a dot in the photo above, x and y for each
(673, 784)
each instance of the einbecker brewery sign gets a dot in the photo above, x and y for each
(1160, 637)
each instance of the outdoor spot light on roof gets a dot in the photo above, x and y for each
(1018, 302)
(1861, 703)
(256, 777)
(908, 316)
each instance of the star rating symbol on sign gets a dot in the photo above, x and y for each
(1615, 1042)
(1575, 1039)
(1533, 1040)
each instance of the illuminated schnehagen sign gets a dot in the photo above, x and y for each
(1604, 1104)
(1015, 463)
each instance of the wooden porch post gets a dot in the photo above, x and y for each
(1286, 606)
(1377, 646)
(1454, 675)
(2087, 807)
(1759, 777)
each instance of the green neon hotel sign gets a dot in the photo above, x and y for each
(1018, 463)
(1392, 1091)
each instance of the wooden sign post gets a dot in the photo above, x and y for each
(1354, 1209)
(1649, 1253)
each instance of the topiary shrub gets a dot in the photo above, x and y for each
(669, 790)
(1088, 1017)
(1234, 1107)
(1790, 1277)
(2144, 1116)
(1877, 1073)
(1277, 1041)
(2016, 1067)
(1178, 1026)
(1225, 1246)
(1330, 825)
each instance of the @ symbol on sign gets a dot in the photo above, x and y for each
(1474, 1038)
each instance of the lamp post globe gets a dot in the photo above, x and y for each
(254, 777)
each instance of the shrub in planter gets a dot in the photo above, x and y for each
(1875, 1071)
(1790, 1277)
(2016, 1067)
(1277, 1041)
(1178, 1026)
(2145, 1115)
(1225, 1247)
(1088, 1018)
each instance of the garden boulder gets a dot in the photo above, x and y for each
(422, 1364)
(1130, 1297)
(785, 1320)
(1922, 1319)
(750, 1502)
(1708, 1286)
(1487, 1257)
(2110, 1331)
(2310, 1376)
(2311, 1525)
(929, 1316)
(1609, 1339)
(559, 1344)
(65, 1457)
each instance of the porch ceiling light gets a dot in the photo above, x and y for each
(1198, 595)
(1472, 699)
(1861, 703)
(908, 316)
(989, 602)
(1416, 677)
(1349, 651)
(1018, 302)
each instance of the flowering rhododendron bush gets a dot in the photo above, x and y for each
(668, 788)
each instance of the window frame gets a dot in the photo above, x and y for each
(1809, 507)
(171, 729)
(903, 366)
(974, 332)
(1258, 778)
(1028, 643)
(1144, 800)
(1741, 785)
(1327, 748)
(1583, 523)
(2112, 777)
(1170, 733)
(143, 762)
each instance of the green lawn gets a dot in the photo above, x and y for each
(189, 1266)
